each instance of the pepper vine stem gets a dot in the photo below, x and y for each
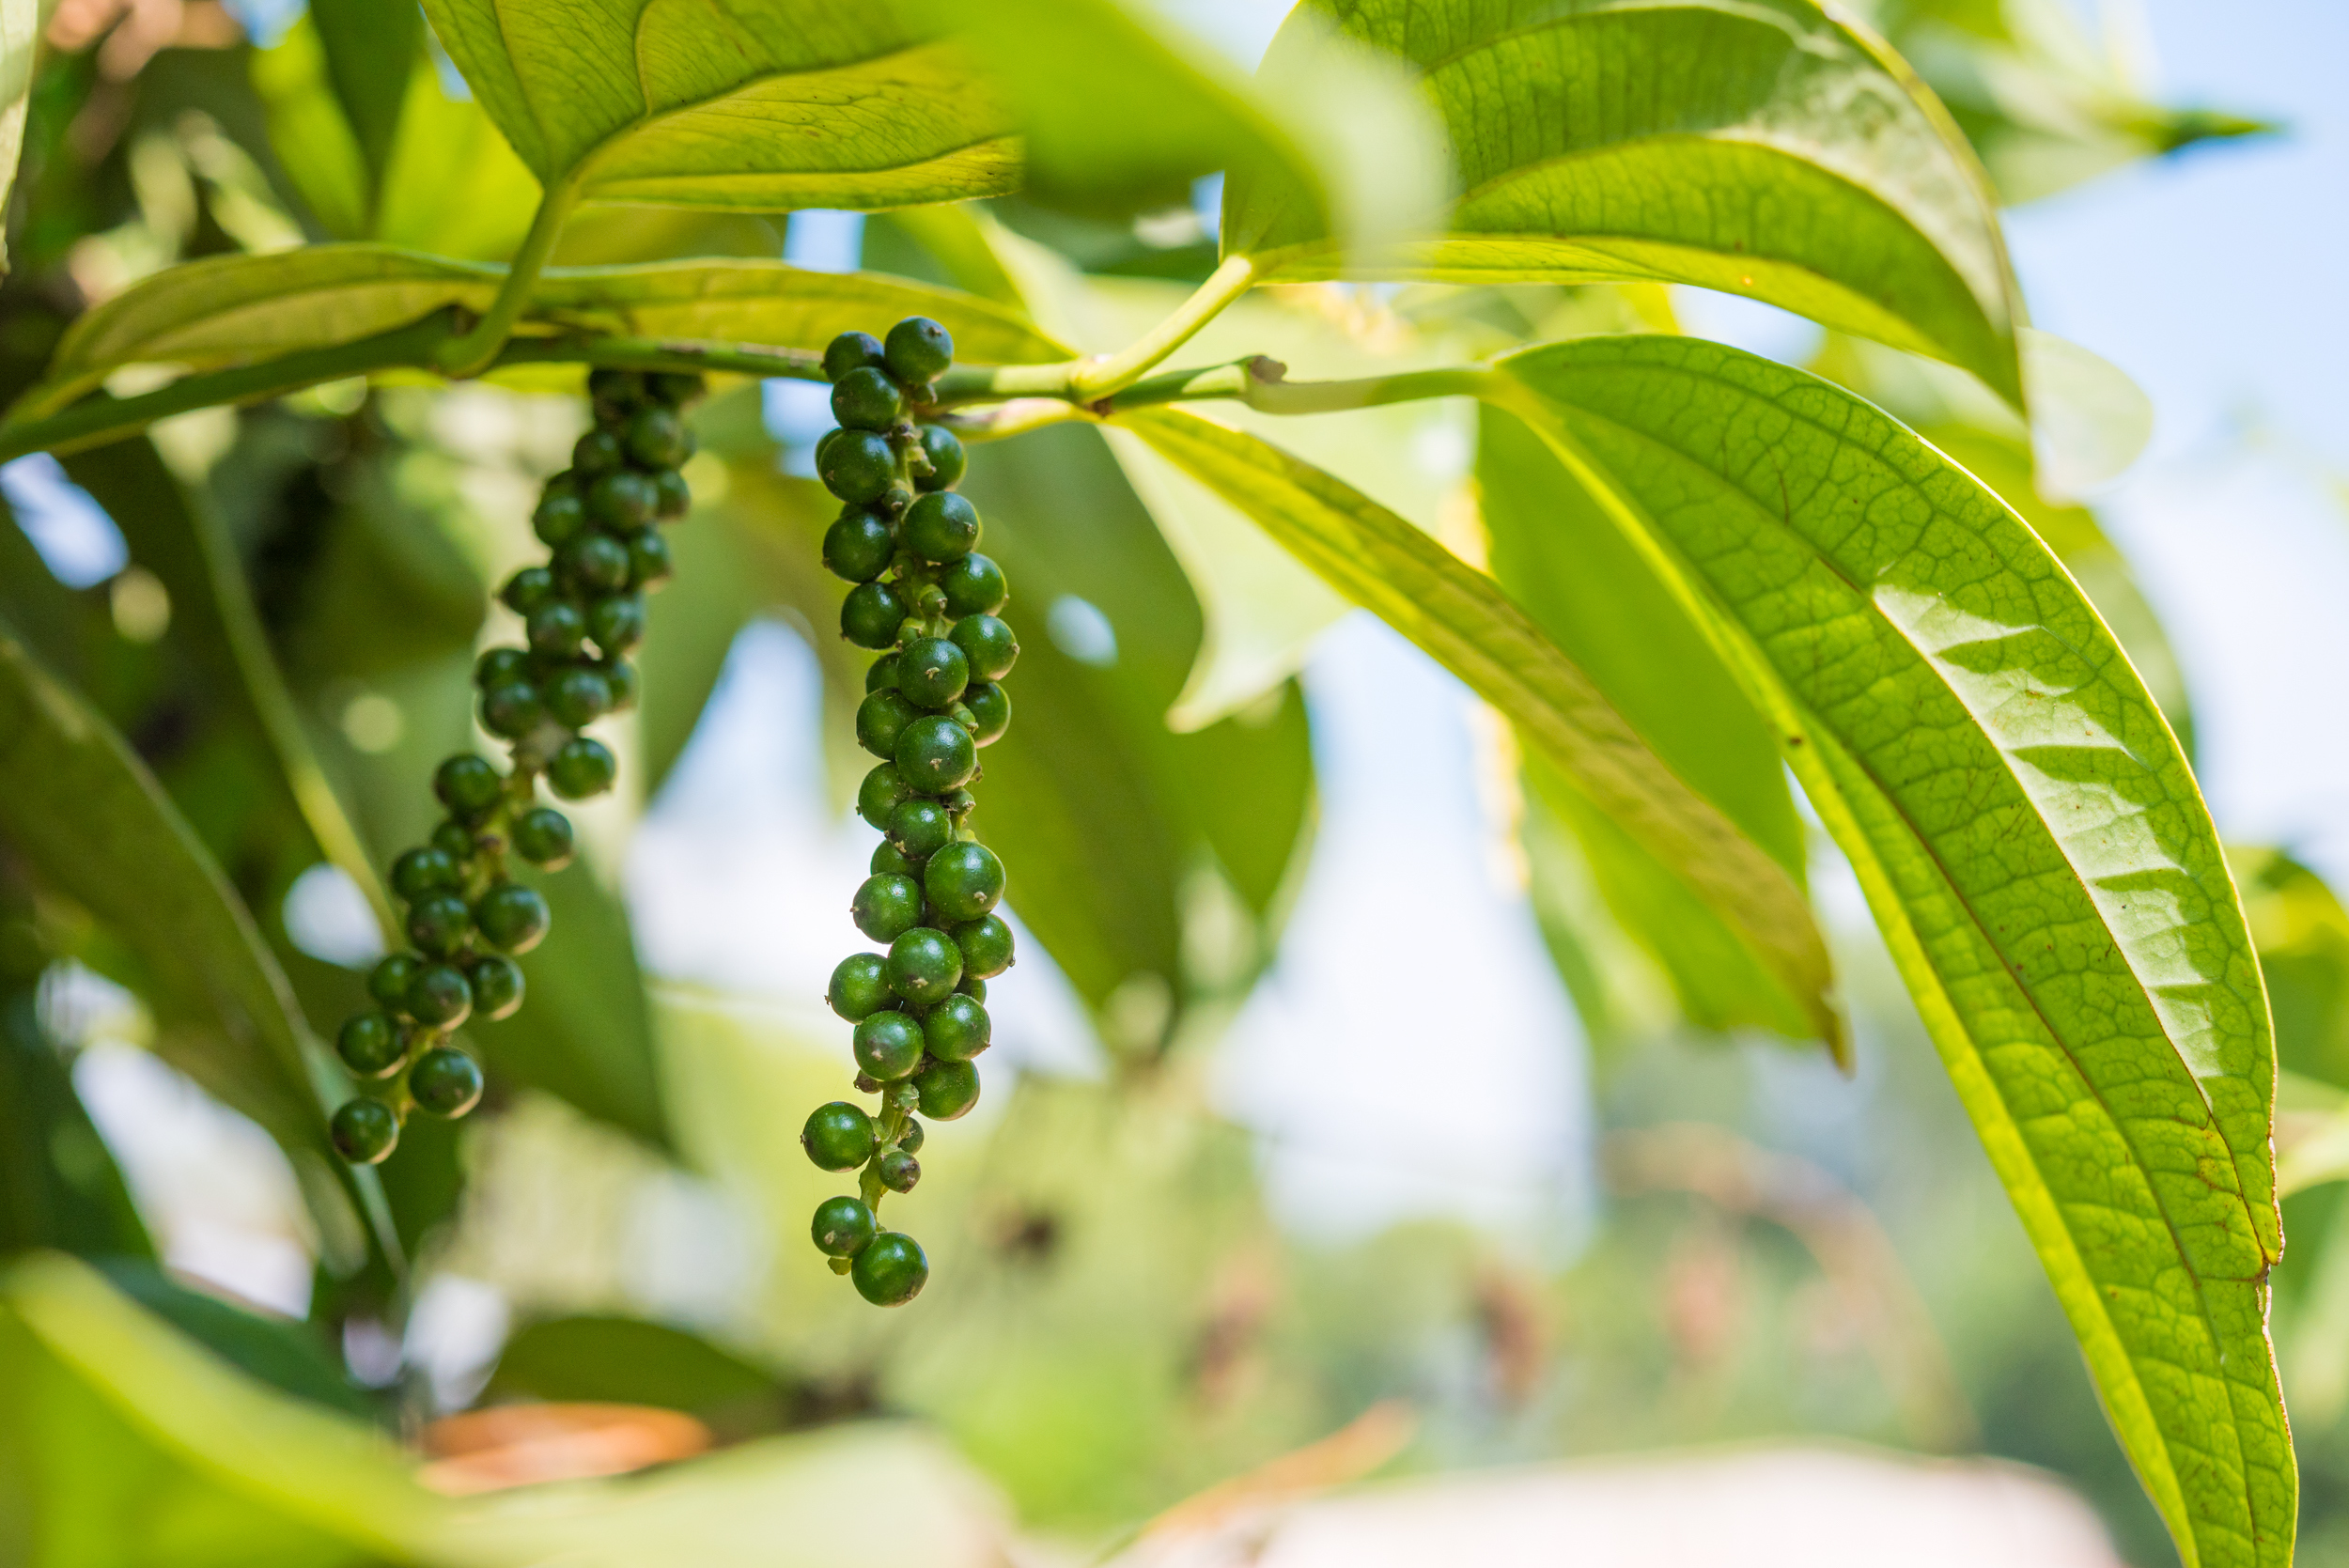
(477, 349)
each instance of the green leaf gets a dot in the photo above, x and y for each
(288, 1355)
(2033, 847)
(760, 104)
(240, 310)
(1762, 148)
(1458, 615)
(20, 41)
(372, 49)
(59, 1186)
(630, 1361)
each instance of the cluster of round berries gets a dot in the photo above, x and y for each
(926, 603)
(465, 915)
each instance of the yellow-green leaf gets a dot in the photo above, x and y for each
(2032, 844)
(1764, 147)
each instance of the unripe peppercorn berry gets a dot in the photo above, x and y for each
(578, 697)
(910, 1139)
(943, 448)
(880, 718)
(676, 388)
(527, 590)
(973, 586)
(987, 644)
(918, 349)
(622, 389)
(620, 675)
(619, 500)
(617, 622)
(885, 908)
(937, 754)
(838, 1137)
(898, 1171)
(941, 526)
(445, 1081)
(986, 944)
(657, 438)
(990, 711)
(888, 1046)
(852, 350)
(648, 562)
(890, 1270)
(883, 676)
(455, 840)
(542, 836)
(671, 497)
(595, 453)
(369, 1045)
(418, 871)
(387, 982)
(859, 989)
(858, 546)
(468, 785)
(963, 880)
(365, 1131)
(958, 1029)
(437, 924)
(877, 798)
(919, 828)
(868, 400)
(959, 804)
(870, 615)
(843, 1227)
(923, 964)
(555, 628)
(512, 917)
(859, 467)
(932, 671)
(512, 710)
(440, 995)
(889, 860)
(581, 769)
(561, 512)
(971, 987)
(497, 987)
(593, 562)
(498, 666)
(948, 1089)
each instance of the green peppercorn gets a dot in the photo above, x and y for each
(920, 827)
(971, 987)
(455, 839)
(439, 923)
(911, 1139)
(941, 526)
(870, 615)
(369, 1045)
(445, 1081)
(880, 718)
(877, 798)
(527, 589)
(648, 562)
(672, 496)
(888, 860)
(959, 804)
(512, 918)
(622, 389)
(843, 1227)
(883, 676)
(937, 754)
(948, 1089)
(958, 1029)
(943, 448)
(593, 562)
(675, 388)
(986, 944)
(387, 982)
(440, 995)
(963, 880)
(617, 622)
(365, 1131)
(973, 586)
(556, 628)
(657, 438)
(852, 350)
(838, 1137)
(898, 1171)
(468, 785)
(542, 836)
(918, 351)
(418, 871)
(582, 768)
(868, 400)
(932, 671)
(859, 989)
(888, 1044)
(890, 1270)
(597, 453)
(620, 675)
(990, 711)
(924, 963)
(578, 697)
(621, 500)
(987, 644)
(885, 908)
(859, 468)
(497, 987)
(858, 546)
(512, 710)
(496, 667)
(561, 513)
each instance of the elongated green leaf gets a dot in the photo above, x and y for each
(1763, 147)
(763, 104)
(370, 49)
(2035, 849)
(20, 38)
(1460, 617)
(237, 310)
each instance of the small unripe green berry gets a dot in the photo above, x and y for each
(859, 467)
(838, 1137)
(877, 798)
(657, 438)
(890, 1270)
(621, 500)
(932, 671)
(439, 923)
(958, 1029)
(512, 918)
(987, 644)
(888, 1046)
(990, 711)
(920, 827)
(578, 697)
(910, 1139)
(445, 1081)
(959, 804)
(882, 674)
(617, 622)
(542, 836)
(497, 987)
(868, 400)
(935, 755)
(455, 839)
(672, 496)
(560, 514)
(597, 453)
(859, 988)
(675, 388)
(843, 1227)
(852, 350)
(880, 718)
(649, 565)
(918, 351)
(365, 1131)
(898, 1171)
(870, 615)
(973, 586)
(986, 944)
(622, 389)
(963, 880)
(369, 1045)
(971, 987)
(593, 562)
(885, 908)
(387, 982)
(923, 964)
(888, 860)
(418, 871)
(468, 785)
(497, 667)
(512, 710)
(440, 995)
(858, 546)
(948, 1089)
(527, 589)
(940, 526)
(943, 448)
(581, 769)
(555, 628)
(619, 675)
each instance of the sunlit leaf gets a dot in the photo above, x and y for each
(1768, 150)
(2033, 847)
(20, 29)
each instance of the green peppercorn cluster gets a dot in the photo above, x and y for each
(926, 602)
(582, 613)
